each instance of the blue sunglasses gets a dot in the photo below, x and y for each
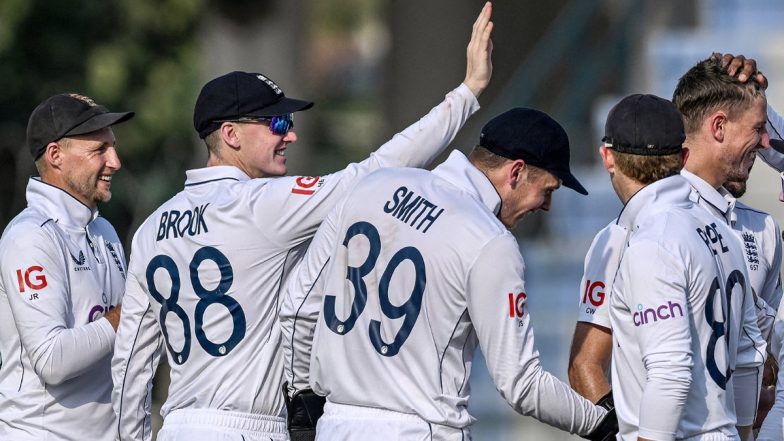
(279, 125)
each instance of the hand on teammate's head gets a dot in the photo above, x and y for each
(741, 67)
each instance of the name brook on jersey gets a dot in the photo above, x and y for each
(178, 224)
(405, 204)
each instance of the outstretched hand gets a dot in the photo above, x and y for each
(741, 67)
(479, 67)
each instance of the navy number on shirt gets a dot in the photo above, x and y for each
(720, 328)
(409, 309)
(206, 296)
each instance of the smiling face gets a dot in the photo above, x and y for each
(86, 164)
(533, 192)
(263, 152)
(745, 135)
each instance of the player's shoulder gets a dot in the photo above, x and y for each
(102, 227)
(26, 231)
(676, 229)
(611, 236)
(754, 219)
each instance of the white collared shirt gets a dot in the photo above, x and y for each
(217, 256)
(432, 272)
(676, 328)
(63, 268)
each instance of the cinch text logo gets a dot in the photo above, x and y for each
(24, 279)
(306, 184)
(98, 311)
(594, 292)
(661, 312)
(517, 305)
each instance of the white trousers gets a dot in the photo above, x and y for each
(217, 425)
(341, 422)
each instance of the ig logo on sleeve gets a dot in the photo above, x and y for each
(32, 278)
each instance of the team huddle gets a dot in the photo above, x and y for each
(349, 306)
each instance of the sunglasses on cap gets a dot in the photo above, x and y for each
(279, 125)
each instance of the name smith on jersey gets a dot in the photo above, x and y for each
(408, 207)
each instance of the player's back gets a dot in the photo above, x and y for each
(394, 331)
(700, 266)
(212, 275)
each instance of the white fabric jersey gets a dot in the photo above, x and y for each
(772, 429)
(677, 307)
(420, 271)
(601, 265)
(752, 347)
(774, 157)
(63, 268)
(207, 269)
(761, 239)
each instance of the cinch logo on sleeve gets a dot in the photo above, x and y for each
(32, 278)
(307, 185)
(662, 312)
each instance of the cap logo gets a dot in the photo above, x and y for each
(270, 83)
(85, 99)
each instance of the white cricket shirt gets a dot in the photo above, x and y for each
(678, 303)
(63, 268)
(207, 269)
(421, 271)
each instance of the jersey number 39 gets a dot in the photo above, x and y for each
(409, 309)
(206, 296)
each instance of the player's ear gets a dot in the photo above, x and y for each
(516, 172)
(53, 154)
(684, 156)
(717, 124)
(608, 159)
(230, 135)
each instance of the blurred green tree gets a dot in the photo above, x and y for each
(138, 55)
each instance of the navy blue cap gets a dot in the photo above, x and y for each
(534, 137)
(645, 125)
(241, 95)
(67, 114)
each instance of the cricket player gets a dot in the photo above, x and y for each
(678, 302)
(591, 348)
(207, 268)
(63, 276)
(413, 270)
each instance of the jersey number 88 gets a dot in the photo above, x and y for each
(206, 296)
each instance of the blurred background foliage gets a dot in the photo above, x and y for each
(138, 55)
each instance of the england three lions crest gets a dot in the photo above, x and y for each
(750, 248)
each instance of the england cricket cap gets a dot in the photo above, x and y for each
(644, 125)
(67, 114)
(534, 137)
(241, 95)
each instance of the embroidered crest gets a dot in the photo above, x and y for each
(85, 99)
(750, 247)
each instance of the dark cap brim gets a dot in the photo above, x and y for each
(282, 107)
(99, 122)
(568, 180)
